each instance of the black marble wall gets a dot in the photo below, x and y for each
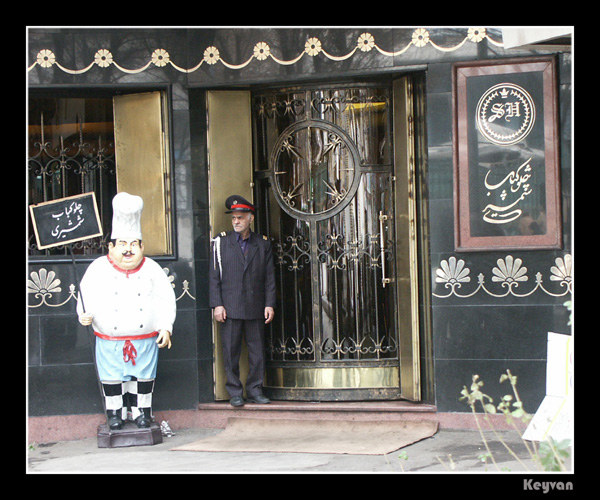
(484, 334)
(480, 334)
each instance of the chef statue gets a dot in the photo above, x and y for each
(130, 303)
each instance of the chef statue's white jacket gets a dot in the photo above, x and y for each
(128, 307)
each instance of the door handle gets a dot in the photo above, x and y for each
(384, 279)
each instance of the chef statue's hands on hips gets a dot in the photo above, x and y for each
(86, 319)
(164, 339)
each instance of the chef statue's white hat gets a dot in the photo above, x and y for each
(127, 214)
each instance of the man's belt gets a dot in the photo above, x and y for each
(129, 352)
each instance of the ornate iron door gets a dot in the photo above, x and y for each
(324, 187)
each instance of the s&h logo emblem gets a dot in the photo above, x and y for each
(505, 114)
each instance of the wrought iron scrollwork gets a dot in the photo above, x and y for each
(336, 253)
(291, 346)
(296, 254)
(272, 106)
(365, 346)
(340, 103)
(74, 165)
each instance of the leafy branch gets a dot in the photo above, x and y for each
(550, 456)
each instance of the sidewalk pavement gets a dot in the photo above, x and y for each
(448, 451)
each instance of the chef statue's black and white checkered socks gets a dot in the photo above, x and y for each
(138, 395)
(133, 395)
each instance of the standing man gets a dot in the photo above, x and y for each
(242, 293)
(130, 304)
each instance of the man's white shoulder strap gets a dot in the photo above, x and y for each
(216, 241)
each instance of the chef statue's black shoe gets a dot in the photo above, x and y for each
(114, 420)
(259, 399)
(144, 420)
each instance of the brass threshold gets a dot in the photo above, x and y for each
(379, 377)
(398, 406)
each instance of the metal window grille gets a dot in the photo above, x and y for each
(71, 153)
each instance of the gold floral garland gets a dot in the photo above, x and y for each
(262, 51)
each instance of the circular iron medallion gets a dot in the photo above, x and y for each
(315, 167)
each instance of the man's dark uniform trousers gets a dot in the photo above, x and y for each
(244, 285)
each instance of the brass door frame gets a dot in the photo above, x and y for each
(230, 169)
(407, 277)
(375, 381)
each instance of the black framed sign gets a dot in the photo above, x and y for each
(506, 163)
(65, 220)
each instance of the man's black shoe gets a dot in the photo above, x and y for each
(236, 401)
(259, 399)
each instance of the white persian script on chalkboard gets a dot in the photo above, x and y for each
(66, 220)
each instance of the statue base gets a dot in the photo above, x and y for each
(129, 435)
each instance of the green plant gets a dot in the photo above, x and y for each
(402, 456)
(553, 454)
(550, 456)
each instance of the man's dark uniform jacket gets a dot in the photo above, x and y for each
(244, 286)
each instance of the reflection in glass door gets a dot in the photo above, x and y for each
(324, 182)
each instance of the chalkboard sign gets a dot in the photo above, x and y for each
(66, 220)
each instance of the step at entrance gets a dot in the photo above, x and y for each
(218, 413)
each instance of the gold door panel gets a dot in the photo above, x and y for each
(142, 162)
(230, 172)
